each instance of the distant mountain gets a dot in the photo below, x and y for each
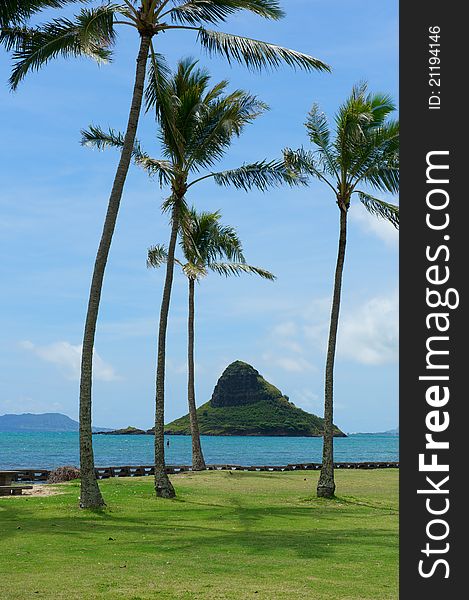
(41, 422)
(388, 432)
(244, 403)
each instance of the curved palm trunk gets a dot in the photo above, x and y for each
(326, 484)
(198, 462)
(163, 486)
(90, 495)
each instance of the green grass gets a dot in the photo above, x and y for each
(245, 535)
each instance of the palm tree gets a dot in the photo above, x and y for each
(92, 33)
(204, 243)
(197, 125)
(365, 152)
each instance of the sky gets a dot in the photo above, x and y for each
(53, 198)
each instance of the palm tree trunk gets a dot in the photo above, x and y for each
(163, 486)
(326, 484)
(90, 495)
(198, 462)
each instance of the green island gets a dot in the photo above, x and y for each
(266, 417)
(244, 403)
(226, 536)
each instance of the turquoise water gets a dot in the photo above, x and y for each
(49, 450)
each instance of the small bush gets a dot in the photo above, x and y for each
(63, 474)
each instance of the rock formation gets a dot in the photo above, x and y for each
(241, 384)
(244, 403)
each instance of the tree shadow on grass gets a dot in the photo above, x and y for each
(171, 528)
(351, 500)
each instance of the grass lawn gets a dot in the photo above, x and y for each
(244, 535)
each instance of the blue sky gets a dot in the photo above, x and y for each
(53, 199)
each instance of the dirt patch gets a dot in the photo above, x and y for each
(43, 490)
(39, 490)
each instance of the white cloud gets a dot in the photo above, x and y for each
(378, 227)
(286, 349)
(371, 334)
(367, 334)
(68, 358)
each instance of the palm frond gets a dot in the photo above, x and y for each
(205, 240)
(318, 127)
(95, 137)
(162, 169)
(15, 37)
(157, 256)
(212, 126)
(319, 133)
(231, 268)
(364, 135)
(158, 76)
(261, 175)
(305, 162)
(382, 105)
(17, 12)
(90, 34)
(377, 159)
(256, 54)
(384, 177)
(380, 208)
(164, 94)
(225, 242)
(197, 12)
(194, 271)
(169, 202)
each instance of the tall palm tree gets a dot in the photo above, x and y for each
(204, 242)
(364, 152)
(92, 32)
(197, 124)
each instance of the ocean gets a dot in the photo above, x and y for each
(39, 450)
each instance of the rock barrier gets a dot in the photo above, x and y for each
(41, 475)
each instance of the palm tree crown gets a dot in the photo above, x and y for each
(92, 31)
(364, 152)
(197, 125)
(205, 242)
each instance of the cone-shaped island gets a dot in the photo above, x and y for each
(244, 403)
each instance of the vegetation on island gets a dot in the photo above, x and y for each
(277, 416)
(124, 431)
(244, 403)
